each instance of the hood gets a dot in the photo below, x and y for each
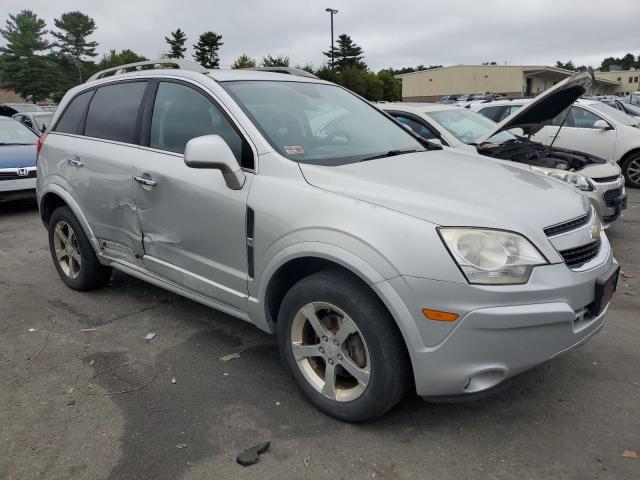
(533, 116)
(17, 156)
(446, 187)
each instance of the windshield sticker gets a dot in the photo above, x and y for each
(294, 150)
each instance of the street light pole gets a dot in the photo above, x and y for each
(332, 11)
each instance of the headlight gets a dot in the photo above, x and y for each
(493, 257)
(574, 179)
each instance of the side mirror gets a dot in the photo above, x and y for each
(212, 152)
(601, 125)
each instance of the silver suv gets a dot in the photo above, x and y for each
(382, 262)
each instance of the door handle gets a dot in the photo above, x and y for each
(145, 181)
(74, 162)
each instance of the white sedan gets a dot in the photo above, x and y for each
(587, 126)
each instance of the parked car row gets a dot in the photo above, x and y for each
(382, 260)
(600, 181)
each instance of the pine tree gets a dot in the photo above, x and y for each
(71, 40)
(347, 54)
(244, 61)
(279, 61)
(30, 75)
(176, 44)
(206, 50)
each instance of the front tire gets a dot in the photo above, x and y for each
(631, 170)
(342, 346)
(72, 253)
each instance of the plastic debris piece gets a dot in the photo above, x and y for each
(306, 461)
(88, 330)
(277, 404)
(150, 336)
(182, 445)
(630, 454)
(225, 374)
(32, 329)
(231, 356)
(628, 275)
(173, 380)
(251, 455)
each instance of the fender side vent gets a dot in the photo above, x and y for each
(250, 232)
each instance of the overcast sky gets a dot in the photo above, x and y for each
(392, 32)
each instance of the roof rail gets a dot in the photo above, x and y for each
(287, 70)
(149, 64)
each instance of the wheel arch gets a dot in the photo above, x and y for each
(55, 197)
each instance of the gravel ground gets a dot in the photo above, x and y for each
(62, 417)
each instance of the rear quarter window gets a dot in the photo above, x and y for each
(69, 122)
(113, 112)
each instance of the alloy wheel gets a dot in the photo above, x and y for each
(67, 249)
(330, 351)
(633, 170)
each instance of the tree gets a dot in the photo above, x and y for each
(626, 62)
(26, 72)
(567, 66)
(391, 88)
(176, 44)
(114, 59)
(71, 39)
(244, 61)
(206, 50)
(347, 54)
(279, 61)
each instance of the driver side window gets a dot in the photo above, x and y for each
(416, 127)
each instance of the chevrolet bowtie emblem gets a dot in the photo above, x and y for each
(595, 232)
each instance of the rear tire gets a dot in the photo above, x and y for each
(631, 170)
(72, 253)
(342, 346)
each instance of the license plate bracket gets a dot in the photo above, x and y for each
(605, 287)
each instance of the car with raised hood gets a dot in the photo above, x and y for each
(631, 110)
(17, 160)
(589, 126)
(600, 181)
(295, 205)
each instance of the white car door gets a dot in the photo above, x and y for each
(579, 133)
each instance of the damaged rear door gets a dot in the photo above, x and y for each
(104, 124)
(193, 225)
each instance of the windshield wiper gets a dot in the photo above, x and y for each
(14, 143)
(390, 153)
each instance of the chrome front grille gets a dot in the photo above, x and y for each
(613, 178)
(576, 257)
(13, 174)
(568, 225)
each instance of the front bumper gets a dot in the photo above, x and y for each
(609, 200)
(502, 331)
(17, 185)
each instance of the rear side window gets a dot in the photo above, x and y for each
(113, 113)
(181, 113)
(70, 119)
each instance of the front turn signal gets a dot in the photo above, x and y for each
(439, 316)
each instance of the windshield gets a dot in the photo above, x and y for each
(614, 114)
(467, 126)
(14, 133)
(319, 123)
(42, 121)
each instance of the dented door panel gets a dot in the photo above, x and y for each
(193, 226)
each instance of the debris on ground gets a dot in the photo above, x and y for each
(173, 380)
(306, 461)
(231, 356)
(629, 454)
(225, 374)
(628, 275)
(54, 319)
(71, 403)
(251, 455)
(32, 329)
(69, 390)
(150, 336)
(182, 445)
(88, 329)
